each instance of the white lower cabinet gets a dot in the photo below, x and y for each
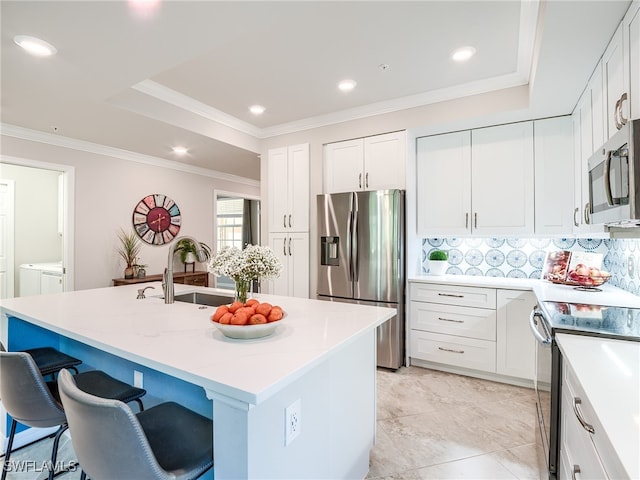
(515, 346)
(473, 330)
(292, 249)
(585, 451)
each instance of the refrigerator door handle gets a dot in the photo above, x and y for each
(350, 245)
(355, 259)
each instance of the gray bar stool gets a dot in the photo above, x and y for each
(35, 403)
(164, 442)
(49, 360)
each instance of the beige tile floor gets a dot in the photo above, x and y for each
(436, 425)
(431, 425)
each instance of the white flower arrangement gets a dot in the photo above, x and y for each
(254, 262)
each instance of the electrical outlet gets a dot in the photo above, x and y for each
(138, 379)
(292, 422)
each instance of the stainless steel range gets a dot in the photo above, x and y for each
(549, 319)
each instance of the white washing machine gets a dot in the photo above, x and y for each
(40, 278)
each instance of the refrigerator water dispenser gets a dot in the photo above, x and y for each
(329, 251)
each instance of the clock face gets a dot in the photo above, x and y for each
(157, 219)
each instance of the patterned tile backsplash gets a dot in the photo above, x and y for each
(524, 257)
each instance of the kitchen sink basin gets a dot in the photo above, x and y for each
(200, 298)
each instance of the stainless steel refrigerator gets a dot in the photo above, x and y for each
(362, 259)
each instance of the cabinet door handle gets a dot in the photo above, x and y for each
(475, 220)
(284, 220)
(587, 426)
(289, 246)
(359, 180)
(616, 111)
(623, 121)
(450, 295)
(574, 471)
(575, 221)
(450, 320)
(289, 220)
(587, 217)
(466, 220)
(366, 180)
(450, 350)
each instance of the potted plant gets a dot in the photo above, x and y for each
(128, 250)
(187, 250)
(438, 262)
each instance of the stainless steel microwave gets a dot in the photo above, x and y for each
(614, 179)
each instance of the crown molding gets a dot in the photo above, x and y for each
(177, 99)
(89, 147)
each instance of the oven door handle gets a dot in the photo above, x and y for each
(533, 324)
(607, 180)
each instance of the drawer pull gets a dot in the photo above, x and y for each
(450, 320)
(588, 427)
(450, 350)
(450, 295)
(574, 471)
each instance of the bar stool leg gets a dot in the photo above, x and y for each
(5, 462)
(54, 451)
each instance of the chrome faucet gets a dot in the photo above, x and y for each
(167, 277)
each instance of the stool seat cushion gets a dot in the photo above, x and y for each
(49, 360)
(98, 383)
(181, 440)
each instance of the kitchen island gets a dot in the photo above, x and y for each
(322, 357)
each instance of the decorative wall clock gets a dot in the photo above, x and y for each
(157, 219)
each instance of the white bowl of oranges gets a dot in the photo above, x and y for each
(247, 320)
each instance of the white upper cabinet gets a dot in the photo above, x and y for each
(343, 166)
(444, 184)
(616, 105)
(631, 41)
(288, 188)
(477, 182)
(502, 179)
(371, 163)
(385, 161)
(554, 169)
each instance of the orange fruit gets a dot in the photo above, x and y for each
(263, 309)
(239, 318)
(275, 315)
(226, 318)
(235, 306)
(221, 310)
(252, 302)
(257, 319)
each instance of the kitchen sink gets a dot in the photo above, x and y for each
(200, 298)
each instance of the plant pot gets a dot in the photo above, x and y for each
(438, 267)
(190, 258)
(128, 273)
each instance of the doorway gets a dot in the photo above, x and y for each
(236, 224)
(35, 228)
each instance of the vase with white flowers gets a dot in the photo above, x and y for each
(254, 262)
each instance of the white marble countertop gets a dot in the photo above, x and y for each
(179, 339)
(545, 291)
(609, 372)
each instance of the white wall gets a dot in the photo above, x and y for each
(106, 192)
(36, 215)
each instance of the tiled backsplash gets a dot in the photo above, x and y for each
(524, 257)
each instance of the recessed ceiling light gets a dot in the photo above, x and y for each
(35, 46)
(180, 150)
(257, 109)
(347, 85)
(463, 54)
